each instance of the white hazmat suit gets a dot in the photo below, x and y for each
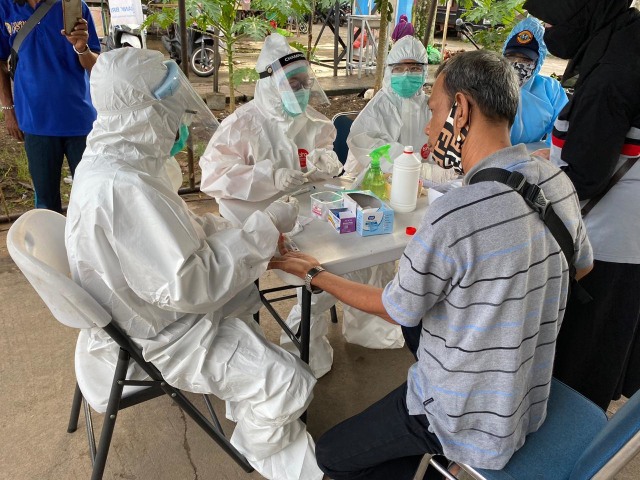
(178, 283)
(244, 157)
(258, 139)
(389, 118)
(398, 121)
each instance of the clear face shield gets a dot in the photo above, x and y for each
(197, 122)
(296, 83)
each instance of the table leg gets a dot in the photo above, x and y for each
(305, 325)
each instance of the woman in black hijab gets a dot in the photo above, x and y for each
(597, 134)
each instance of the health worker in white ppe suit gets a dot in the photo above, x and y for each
(181, 285)
(397, 115)
(264, 147)
(263, 150)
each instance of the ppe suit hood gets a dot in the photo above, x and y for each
(535, 27)
(407, 48)
(267, 96)
(131, 123)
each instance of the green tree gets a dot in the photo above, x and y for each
(222, 16)
(502, 16)
(386, 11)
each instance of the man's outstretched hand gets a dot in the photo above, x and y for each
(295, 263)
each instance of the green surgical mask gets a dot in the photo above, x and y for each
(294, 103)
(407, 84)
(182, 140)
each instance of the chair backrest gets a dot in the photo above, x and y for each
(342, 121)
(616, 444)
(36, 244)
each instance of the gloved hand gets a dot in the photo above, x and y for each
(436, 174)
(287, 178)
(283, 213)
(326, 163)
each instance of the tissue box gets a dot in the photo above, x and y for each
(373, 216)
(342, 220)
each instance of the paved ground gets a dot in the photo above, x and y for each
(153, 440)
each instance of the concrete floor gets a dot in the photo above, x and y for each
(153, 440)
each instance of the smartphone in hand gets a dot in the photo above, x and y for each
(71, 12)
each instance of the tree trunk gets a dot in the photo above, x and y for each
(423, 19)
(232, 90)
(382, 44)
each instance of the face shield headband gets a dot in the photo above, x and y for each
(296, 83)
(197, 122)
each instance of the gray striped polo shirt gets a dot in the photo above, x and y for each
(489, 283)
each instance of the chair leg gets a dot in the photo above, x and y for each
(89, 428)
(256, 316)
(188, 407)
(75, 410)
(214, 417)
(334, 314)
(110, 415)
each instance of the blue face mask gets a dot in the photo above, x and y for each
(182, 140)
(407, 84)
(294, 103)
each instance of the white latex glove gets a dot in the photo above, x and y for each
(287, 178)
(326, 163)
(283, 213)
(436, 174)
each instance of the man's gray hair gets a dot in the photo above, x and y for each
(487, 78)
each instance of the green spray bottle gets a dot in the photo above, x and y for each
(374, 179)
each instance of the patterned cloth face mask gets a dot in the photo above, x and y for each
(524, 71)
(447, 151)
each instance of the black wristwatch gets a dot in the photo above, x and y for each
(309, 276)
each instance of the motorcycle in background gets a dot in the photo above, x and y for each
(200, 49)
(126, 35)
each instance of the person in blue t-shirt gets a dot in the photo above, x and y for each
(541, 97)
(50, 106)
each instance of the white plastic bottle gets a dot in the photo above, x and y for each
(404, 181)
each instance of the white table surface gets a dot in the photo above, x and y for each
(338, 253)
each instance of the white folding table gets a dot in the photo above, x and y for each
(338, 253)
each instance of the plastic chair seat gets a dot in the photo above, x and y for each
(551, 453)
(91, 373)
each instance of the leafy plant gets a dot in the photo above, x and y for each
(502, 16)
(222, 16)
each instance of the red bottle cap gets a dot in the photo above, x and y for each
(410, 230)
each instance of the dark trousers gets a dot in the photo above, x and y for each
(45, 155)
(598, 351)
(383, 442)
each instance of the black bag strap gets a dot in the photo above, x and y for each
(535, 198)
(40, 12)
(626, 166)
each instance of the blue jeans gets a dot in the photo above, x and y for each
(45, 155)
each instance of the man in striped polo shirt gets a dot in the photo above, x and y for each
(484, 285)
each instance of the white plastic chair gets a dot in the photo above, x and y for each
(36, 244)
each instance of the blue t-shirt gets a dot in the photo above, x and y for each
(51, 88)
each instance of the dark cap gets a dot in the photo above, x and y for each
(525, 43)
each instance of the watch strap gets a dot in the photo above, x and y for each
(309, 276)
